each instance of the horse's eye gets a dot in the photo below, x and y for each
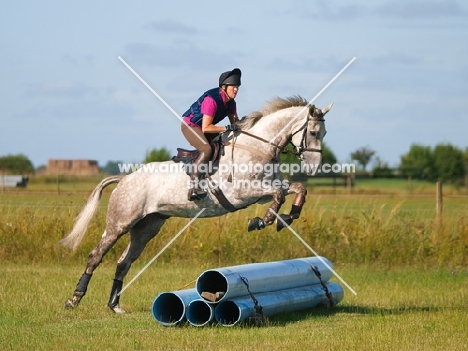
(314, 134)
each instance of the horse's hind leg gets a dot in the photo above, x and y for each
(140, 234)
(94, 259)
(108, 240)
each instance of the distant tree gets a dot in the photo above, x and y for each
(157, 155)
(111, 167)
(327, 155)
(16, 164)
(381, 169)
(363, 156)
(288, 157)
(448, 162)
(418, 162)
(465, 160)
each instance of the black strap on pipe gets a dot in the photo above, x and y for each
(258, 308)
(328, 294)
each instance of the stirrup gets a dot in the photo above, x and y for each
(196, 194)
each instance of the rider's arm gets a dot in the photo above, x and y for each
(209, 127)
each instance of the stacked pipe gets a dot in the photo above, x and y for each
(233, 294)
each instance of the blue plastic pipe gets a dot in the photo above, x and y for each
(233, 311)
(233, 281)
(169, 308)
(200, 313)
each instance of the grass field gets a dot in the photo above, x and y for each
(400, 309)
(409, 270)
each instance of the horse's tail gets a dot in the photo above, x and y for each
(78, 232)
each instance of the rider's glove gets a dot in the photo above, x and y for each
(231, 127)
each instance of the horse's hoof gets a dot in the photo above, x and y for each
(256, 224)
(117, 309)
(69, 304)
(283, 221)
(74, 301)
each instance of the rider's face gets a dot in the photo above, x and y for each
(231, 91)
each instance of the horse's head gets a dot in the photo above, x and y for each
(308, 139)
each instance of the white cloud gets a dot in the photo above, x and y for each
(57, 89)
(179, 54)
(410, 9)
(171, 26)
(77, 61)
(404, 9)
(325, 10)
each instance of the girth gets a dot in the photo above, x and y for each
(187, 156)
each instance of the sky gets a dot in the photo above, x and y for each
(65, 94)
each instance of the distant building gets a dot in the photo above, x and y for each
(72, 167)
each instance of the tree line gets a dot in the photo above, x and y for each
(16, 164)
(442, 162)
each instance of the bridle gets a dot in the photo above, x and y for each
(281, 149)
(303, 139)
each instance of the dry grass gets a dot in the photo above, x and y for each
(359, 229)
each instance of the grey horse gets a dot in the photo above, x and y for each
(247, 173)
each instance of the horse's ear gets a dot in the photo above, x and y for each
(326, 109)
(312, 110)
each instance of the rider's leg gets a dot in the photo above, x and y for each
(198, 170)
(198, 140)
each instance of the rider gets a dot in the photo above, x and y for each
(200, 123)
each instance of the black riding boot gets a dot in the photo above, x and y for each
(196, 192)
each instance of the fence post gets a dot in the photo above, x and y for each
(439, 200)
(57, 181)
(466, 181)
(349, 184)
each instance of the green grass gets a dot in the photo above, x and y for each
(400, 309)
(410, 272)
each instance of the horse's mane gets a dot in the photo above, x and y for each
(270, 107)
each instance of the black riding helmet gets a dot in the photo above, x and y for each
(230, 77)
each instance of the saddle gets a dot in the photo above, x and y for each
(188, 156)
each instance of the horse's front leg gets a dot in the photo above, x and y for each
(300, 190)
(258, 223)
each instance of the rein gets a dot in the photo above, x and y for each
(220, 195)
(261, 139)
